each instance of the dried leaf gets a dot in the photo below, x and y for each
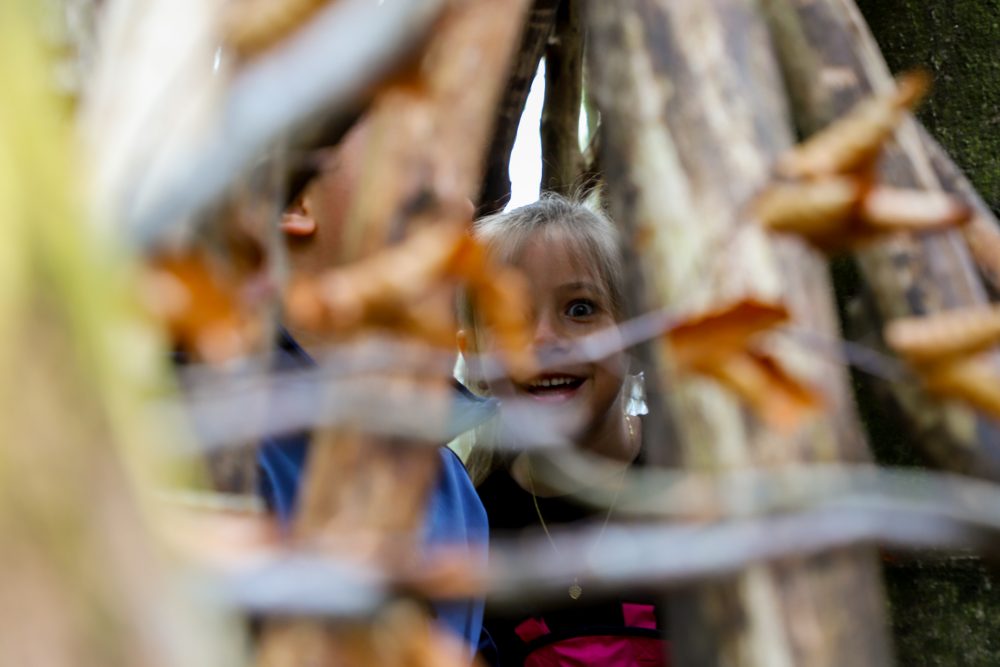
(820, 211)
(984, 242)
(780, 400)
(837, 212)
(705, 339)
(503, 301)
(381, 290)
(202, 312)
(946, 336)
(853, 143)
(971, 380)
(409, 288)
(886, 210)
(718, 344)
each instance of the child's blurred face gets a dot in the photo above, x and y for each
(569, 300)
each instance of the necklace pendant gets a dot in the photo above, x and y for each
(575, 591)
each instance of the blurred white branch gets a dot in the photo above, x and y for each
(168, 133)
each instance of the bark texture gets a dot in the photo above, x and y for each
(693, 113)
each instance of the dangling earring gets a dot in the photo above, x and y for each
(635, 395)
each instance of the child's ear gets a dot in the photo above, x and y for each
(297, 219)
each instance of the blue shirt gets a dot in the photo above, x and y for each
(455, 516)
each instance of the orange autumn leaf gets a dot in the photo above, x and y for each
(852, 143)
(820, 211)
(777, 398)
(200, 310)
(700, 341)
(838, 212)
(971, 380)
(378, 290)
(719, 344)
(831, 200)
(885, 210)
(942, 349)
(503, 301)
(409, 288)
(945, 336)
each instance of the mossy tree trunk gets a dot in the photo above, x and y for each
(945, 612)
(830, 63)
(958, 42)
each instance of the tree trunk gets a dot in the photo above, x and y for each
(830, 62)
(495, 192)
(693, 114)
(983, 233)
(425, 156)
(946, 611)
(562, 161)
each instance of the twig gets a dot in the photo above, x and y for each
(350, 382)
(864, 505)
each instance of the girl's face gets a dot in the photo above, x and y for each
(569, 300)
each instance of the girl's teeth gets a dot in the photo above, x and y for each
(552, 382)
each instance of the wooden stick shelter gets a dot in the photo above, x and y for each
(189, 156)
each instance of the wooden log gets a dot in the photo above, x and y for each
(495, 192)
(983, 233)
(562, 160)
(693, 113)
(426, 143)
(830, 61)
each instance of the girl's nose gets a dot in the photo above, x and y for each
(546, 330)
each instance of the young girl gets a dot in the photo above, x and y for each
(571, 258)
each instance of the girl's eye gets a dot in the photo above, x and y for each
(581, 308)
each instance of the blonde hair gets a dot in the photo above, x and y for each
(591, 237)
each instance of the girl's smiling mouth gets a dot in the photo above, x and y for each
(554, 387)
